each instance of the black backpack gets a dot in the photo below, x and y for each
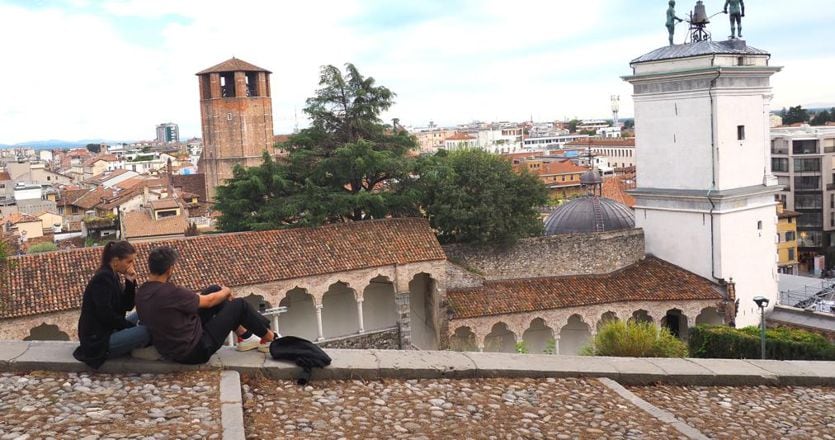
(301, 351)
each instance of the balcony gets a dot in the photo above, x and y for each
(830, 186)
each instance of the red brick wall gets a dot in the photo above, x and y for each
(235, 129)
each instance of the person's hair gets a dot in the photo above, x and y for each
(161, 259)
(116, 249)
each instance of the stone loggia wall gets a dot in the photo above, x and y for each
(459, 277)
(385, 339)
(556, 255)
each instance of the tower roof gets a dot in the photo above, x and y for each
(233, 65)
(701, 48)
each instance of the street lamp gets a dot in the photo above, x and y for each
(762, 303)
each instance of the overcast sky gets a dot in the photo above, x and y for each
(77, 69)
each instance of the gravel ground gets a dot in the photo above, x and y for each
(42, 405)
(749, 412)
(444, 409)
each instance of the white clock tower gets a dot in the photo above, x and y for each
(705, 193)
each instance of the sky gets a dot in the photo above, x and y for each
(114, 69)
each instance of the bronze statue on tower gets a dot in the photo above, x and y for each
(737, 11)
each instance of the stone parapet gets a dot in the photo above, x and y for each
(556, 255)
(395, 364)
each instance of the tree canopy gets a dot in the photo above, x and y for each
(472, 196)
(350, 166)
(824, 116)
(794, 115)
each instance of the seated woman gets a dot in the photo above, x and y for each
(103, 329)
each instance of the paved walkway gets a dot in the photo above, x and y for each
(417, 394)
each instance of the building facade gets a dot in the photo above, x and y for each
(705, 192)
(787, 257)
(237, 120)
(168, 132)
(802, 160)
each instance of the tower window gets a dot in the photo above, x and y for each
(759, 225)
(252, 84)
(227, 85)
(740, 132)
(740, 61)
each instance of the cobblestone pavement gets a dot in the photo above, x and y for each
(749, 412)
(42, 405)
(444, 409)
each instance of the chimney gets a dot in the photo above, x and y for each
(145, 195)
(170, 179)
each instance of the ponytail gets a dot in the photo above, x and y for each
(115, 249)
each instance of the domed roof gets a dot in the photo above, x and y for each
(590, 177)
(589, 214)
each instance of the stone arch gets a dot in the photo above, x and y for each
(539, 337)
(711, 316)
(257, 301)
(379, 308)
(574, 335)
(463, 339)
(423, 308)
(676, 322)
(300, 318)
(46, 332)
(339, 311)
(641, 315)
(500, 339)
(606, 318)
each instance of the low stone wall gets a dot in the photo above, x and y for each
(458, 277)
(385, 339)
(556, 255)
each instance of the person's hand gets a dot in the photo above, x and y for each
(130, 274)
(226, 292)
(725, 11)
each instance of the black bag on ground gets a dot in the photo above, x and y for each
(301, 351)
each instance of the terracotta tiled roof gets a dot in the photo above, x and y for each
(786, 214)
(139, 224)
(54, 281)
(460, 137)
(233, 65)
(603, 142)
(614, 188)
(5, 175)
(650, 279)
(168, 203)
(192, 183)
(17, 217)
(94, 197)
(99, 179)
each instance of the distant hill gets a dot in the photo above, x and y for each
(58, 143)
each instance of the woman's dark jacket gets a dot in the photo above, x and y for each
(103, 310)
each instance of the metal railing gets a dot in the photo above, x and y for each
(821, 299)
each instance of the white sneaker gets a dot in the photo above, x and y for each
(148, 353)
(250, 343)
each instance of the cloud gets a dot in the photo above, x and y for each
(116, 68)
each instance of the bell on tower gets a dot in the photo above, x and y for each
(236, 117)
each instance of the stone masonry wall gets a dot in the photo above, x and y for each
(556, 255)
(386, 339)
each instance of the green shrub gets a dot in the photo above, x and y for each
(42, 247)
(635, 339)
(708, 341)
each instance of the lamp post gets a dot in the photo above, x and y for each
(762, 303)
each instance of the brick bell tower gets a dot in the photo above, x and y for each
(237, 119)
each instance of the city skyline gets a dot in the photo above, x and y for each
(116, 69)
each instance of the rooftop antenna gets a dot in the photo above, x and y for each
(615, 109)
(296, 119)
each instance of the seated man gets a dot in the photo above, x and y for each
(187, 327)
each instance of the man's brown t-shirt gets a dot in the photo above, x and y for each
(170, 313)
